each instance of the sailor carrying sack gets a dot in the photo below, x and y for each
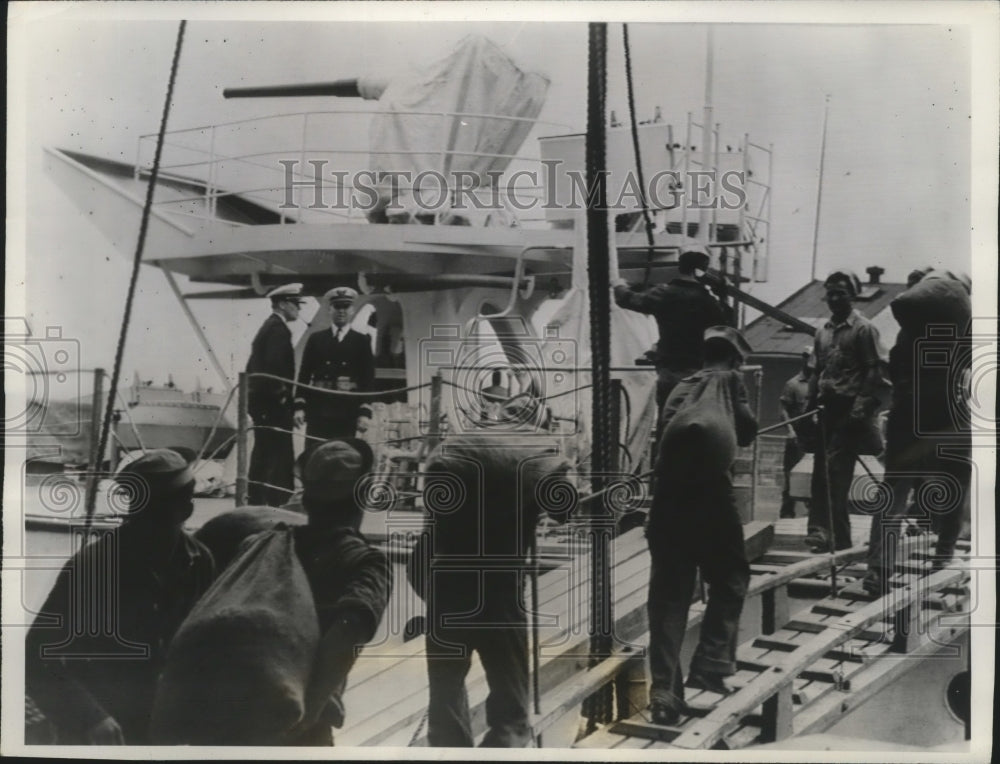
(700, 441)
(237, 670)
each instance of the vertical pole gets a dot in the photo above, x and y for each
(758, 382)
(599, 292)
(302, 162)
(819, 189)
(706, 138)
(777, 713)
(241, 441)
(434, 425)
(615, 426)
(96, 457)
(685, 184)
(774, 609)
(536, 647)
(743, 227)
(714, 227)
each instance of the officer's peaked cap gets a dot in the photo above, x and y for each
(341, 294)
(287, 292)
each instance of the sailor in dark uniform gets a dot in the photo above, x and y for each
(270, 401)
(683, 310)
(338, 359)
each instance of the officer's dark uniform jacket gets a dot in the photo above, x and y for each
(683, 310)
(324, 360)
(270, 401)
(79, 678)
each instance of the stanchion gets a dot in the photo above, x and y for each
(829, 499)
(241, 441)
(95, 442)
(434, 426)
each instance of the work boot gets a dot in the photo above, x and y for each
(873, 584)
(664, 715)
(712, 682)
(817, 541)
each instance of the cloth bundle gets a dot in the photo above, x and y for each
(700, 441)
(237, 670)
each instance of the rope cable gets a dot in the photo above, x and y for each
(638, 156)
(137, 259)
(599, 705)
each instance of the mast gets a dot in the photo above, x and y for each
(819, 189)
(706, 137)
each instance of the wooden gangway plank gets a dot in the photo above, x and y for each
(821, 664)
(564, 676)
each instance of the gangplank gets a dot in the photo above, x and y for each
(807, 671)
(799, 674)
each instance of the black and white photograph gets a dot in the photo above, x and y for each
(384, 380)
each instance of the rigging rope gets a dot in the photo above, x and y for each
(638, 157)
(137, 260)
(599, 705)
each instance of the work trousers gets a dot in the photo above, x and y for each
(271, 462)
(939, 470)
(846, 438)
(699, 529)
(793, 453)
(503, 652)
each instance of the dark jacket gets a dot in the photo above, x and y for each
(78, 678)
(324, 360)
(271, 353)
(683, 310)
(347, 576)
(482, 506)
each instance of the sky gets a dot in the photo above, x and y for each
(898, 162)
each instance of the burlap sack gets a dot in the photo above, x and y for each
(237, 670)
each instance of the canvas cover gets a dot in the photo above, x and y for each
(476, 79)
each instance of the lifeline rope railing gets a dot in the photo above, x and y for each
(341, 393)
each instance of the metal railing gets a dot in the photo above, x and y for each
(198, 155)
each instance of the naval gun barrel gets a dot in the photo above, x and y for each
(337, 88)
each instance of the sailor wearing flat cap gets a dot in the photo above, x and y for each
(339, 360)
(694, 525)
(271, 402)
(846, 382)
(350, 579)
(93, 659)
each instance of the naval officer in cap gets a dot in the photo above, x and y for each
(271, 402)
(338, 359)
(93, 656)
